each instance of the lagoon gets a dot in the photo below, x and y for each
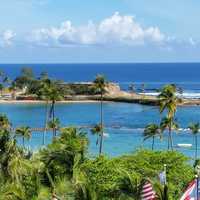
(124, 124)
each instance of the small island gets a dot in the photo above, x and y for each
(26, 89)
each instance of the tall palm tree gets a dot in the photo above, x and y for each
(195, 127)
(99, 85)
(170, 124)
(54, 124)
(54, 94)
(151, 131)
(43, 94)
(168, 101)
(24, 132)
(50, 92)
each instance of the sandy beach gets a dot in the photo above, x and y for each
(122, 97)
(44, 102)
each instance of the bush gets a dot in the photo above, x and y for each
(107, 176)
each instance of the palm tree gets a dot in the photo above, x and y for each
(54, 124)
(143, 88)
(5, 80)
(170, 124)
(151, 131)
(168, 101)
(50, 92)
(54, 94)
(99, 85)
(132, 88)
(43, 94)
(4, 122)
(96, 130)
(13, 88)
(194, 127)
(25, 132)
(1, 89)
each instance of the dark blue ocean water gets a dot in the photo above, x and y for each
(149, 72)
(124, 122)
(154, 75)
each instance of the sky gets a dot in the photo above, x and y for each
(77, 31)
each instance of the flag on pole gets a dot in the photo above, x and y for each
(192, 191)
(147, 192)
(163, 178)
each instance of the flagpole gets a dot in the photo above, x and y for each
(165, 183)
(197, 179)
(197, 170)
(165, 170)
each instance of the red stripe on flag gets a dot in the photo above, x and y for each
(148, 192)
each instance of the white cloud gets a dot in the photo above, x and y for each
(117, 29)
(6, 37)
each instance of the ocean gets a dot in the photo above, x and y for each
(124, 122)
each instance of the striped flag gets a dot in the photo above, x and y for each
(192, 192)
(147, 192)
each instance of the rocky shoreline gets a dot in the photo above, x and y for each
(113, 94)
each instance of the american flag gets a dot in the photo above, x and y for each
(147, 192)
(192, 191)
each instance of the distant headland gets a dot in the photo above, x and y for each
(26, 88)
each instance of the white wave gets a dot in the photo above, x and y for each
(106, 135)
(187, 95)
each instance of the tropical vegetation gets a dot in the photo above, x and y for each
(63, 170)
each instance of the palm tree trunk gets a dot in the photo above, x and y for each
(153, 140)
(101, 122)
(168, 145)
(53, 112)
(23, 141)
(170, 137)
(195, 147)
(46, 123)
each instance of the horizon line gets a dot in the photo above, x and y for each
(99, 63)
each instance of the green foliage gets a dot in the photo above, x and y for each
(4, 122)
(149, 164)
(62, 169)
(99, 84)
(111, 182)
(54, 124)
(25, 79)
(59, 156)
(24, 132)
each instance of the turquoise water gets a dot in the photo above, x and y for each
(124, 122)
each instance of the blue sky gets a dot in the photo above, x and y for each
(33, 31)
